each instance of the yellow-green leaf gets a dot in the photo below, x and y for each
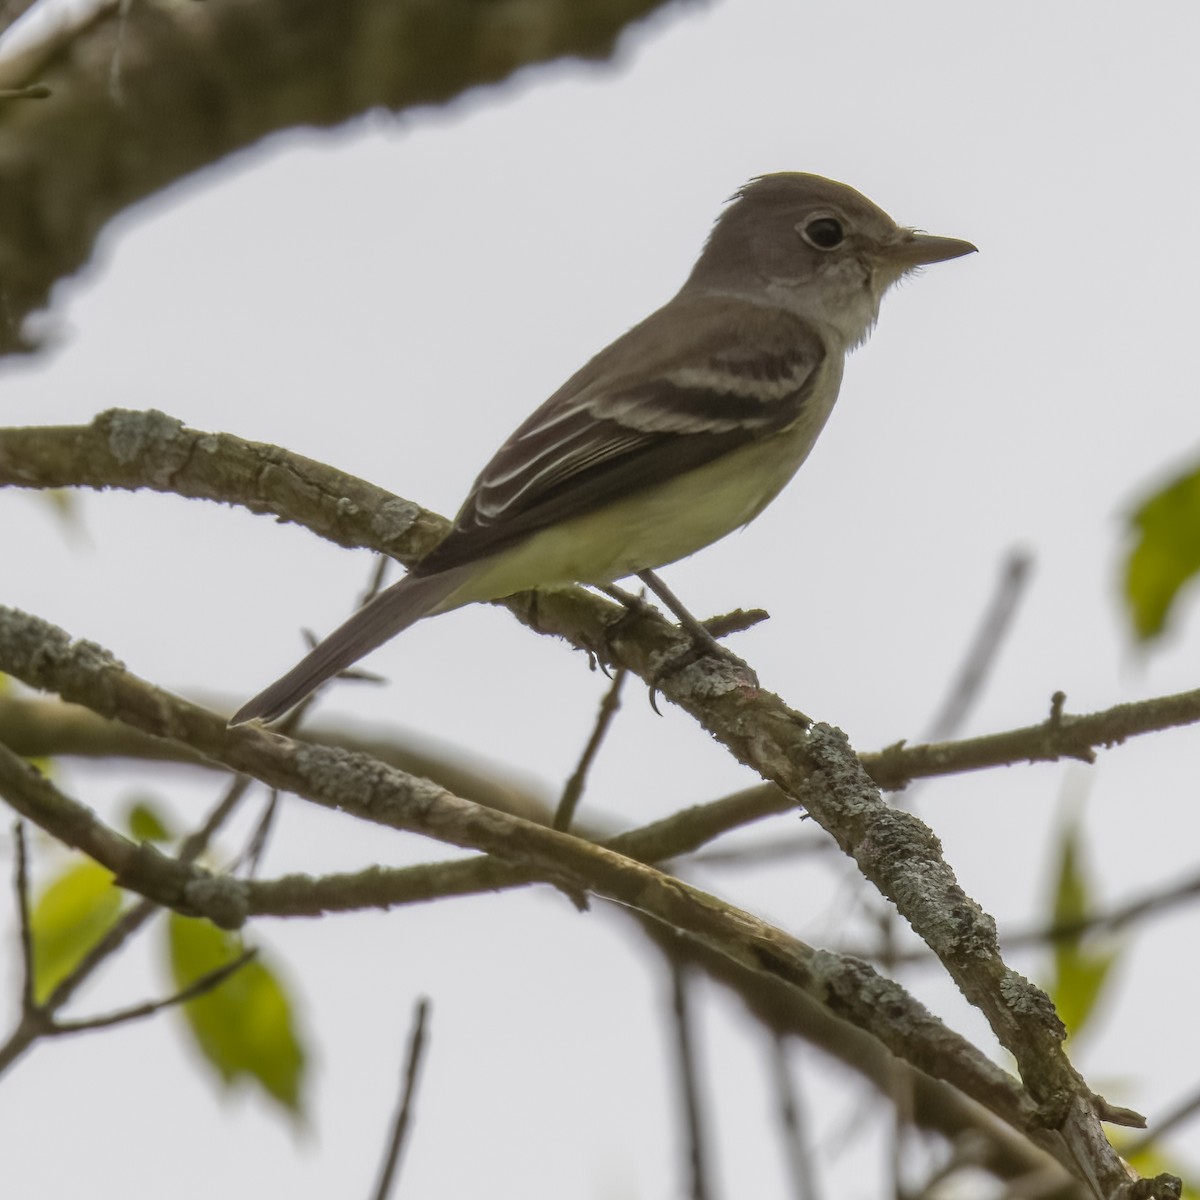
(1082, 961)
(69, 918)
(147, 822)
(1165, 554)
(244, 1027)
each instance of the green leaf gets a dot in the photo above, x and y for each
(244, 1027)
(1082, 962)
(1166, 553)
(69, 918)
(147, 822)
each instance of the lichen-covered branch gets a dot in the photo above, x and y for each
(43, 656)
(148, 450)
(893, 849)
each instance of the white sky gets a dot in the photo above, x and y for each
(393, 299)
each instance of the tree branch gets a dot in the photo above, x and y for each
(132, 450)
(44, 728)
(893, 849)
(207, 982)
(416, 1049)
(145, 94)
(40, 654)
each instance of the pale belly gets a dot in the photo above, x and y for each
(653, 527)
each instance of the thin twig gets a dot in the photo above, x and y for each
(969, 1149)
(564, 814)
(981, 655)
(196, 843)
(1095, 923)
(133, 919)
(792, 1123)
(31, 91)
(689, 1082)
(961, 696)
(21, 885)
(38, 1020)
(207, 982)
(378, 573)
(251, 858)
(416, 1049)
(781, 848)
(738, 620)
(1184, 1111)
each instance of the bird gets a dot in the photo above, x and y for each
(679, 432)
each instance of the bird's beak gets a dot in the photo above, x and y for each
(919, 249)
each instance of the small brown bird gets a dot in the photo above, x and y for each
(682, 430)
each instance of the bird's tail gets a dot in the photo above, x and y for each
(393, 610)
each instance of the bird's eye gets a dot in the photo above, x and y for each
(825, 233)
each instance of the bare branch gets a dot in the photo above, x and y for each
(416, 1049)
(573, 791)
(981, 655)
(27, 791)
(1186, 1110)
(25, 922)
(11, 11)
(207, 982)
(36, 652)
(135, 451)
(35, 727)
(689, 1082)
(906, 865)
(149, 450)
(792, 1123)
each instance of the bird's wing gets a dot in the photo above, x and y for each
(668, 397)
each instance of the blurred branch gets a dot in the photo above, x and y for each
(1188, 1109)
(145, 94)
(34, 727)
(24, 919)
(412, 1066)
(793, 1123)
(985, 646)
(689, 1080)
(1183, 891)
(965, 689)
(11, 11)
(937, 1107)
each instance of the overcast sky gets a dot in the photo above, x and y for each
(393, 298)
